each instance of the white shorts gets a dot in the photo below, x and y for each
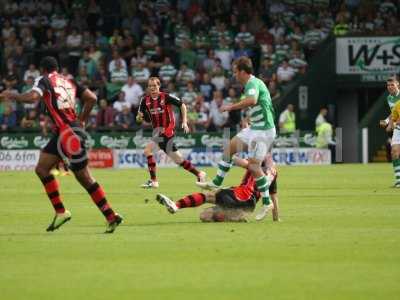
(396, 137)
(259, 142)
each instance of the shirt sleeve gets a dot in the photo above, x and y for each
(143, 110)
(41, 85)
(251, 90)
(171, 99)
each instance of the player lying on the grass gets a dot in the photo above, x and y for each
(257, 139)
(68, 141)
(392, 124)
(157, 107)
(231, 204)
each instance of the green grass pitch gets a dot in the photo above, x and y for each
(339, 239)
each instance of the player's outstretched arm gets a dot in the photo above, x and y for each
(31, 96)
(185, 126)
(246, 102)
(89, 99)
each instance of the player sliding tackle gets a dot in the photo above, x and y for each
(232, 204)
(392, 123)
(257, 138)
(68, 142)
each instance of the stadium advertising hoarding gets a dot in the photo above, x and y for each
(134, 140)
(132, 158)
(18, 160)
(101, 158)
(371, 57)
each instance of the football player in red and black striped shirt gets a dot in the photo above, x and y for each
(157, 107)
(231, 204)
(68, 142)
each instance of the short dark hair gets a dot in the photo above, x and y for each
(392, 78)
(244, 63)
(49, 64)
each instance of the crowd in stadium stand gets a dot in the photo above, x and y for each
(113, 47)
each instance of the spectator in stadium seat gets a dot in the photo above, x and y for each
(9, 118)
(87, 63)
(156, 62)
(225, 53)
(133, 91)
(119, 74)
(244, 35)
(83, 77)
(189, 95)
(185, 75)
(209, 62)
(139, 57)
(198, 115)
(242, 50)
(217, 119)
(285, 72)
(117, 62)
(121, 103)
(125, 118)
(141, 73)
(187, 55)
(105, 115)
(206, 87)
(32, 72)
(30, 120)
(167, 71)
(218, 78)
(150, 41)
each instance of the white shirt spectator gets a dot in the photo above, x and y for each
(31, 73)
(133, 92)
(120, 105)
(285, 73)
(58, 22)
(218, 118)
(112, 65)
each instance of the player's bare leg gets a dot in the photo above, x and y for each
(187, 165)
(149, 151)
(98, 196)
(235, 145)
(43, 169)
(262, 185)
(275, 210)
(396, 164)
(192, 200)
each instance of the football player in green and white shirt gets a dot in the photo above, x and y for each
(394, 96)
(257, 138)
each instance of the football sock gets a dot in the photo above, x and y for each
(151, 163)
(192, 200)
(262, 186)
(99, 198)
(187, 165)
(223, 168)
(51, 186)
(396, 167)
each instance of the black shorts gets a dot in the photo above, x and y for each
(76, 161)
(165, 143)
(225, 198)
